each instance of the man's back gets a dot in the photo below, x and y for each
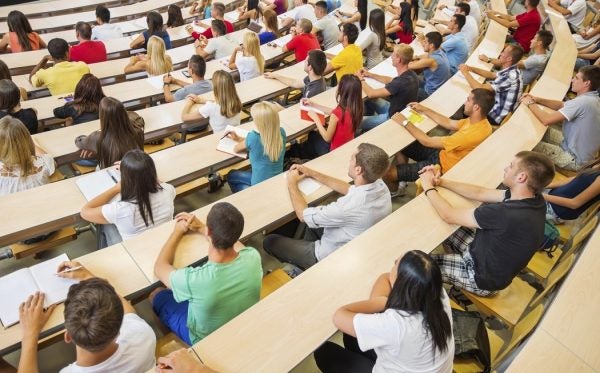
(91, 51)
(329, 30)
(463, 141)
(60, 78)
(106, 31)
(582, 129)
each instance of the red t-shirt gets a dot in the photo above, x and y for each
(529, 25)
(343, 131)
(404, 37)
(301, 44)
(208, 32)
(90, 51)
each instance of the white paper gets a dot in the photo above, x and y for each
(232, 16)
(227, 144)
(156, 81)
(96, 183)
(307, 185)
(54, 287)
(282, 41)
(383, 68)
(311, 108)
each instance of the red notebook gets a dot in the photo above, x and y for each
(304, 113)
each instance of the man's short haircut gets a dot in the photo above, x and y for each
(197, 65)
(405, 52)
(225, 224)
(219, 7)
(321, 4)
(484, 98)
(351, 32)
(58, 48)
(516, 52)
(460, 20)
(591, 74)
(305, 25)
(539, 169)
(464, 7)
(93, 314)
(317, 60)
(103, 13)
(545, 37)
(373, 160)
(218, 26)
(434, 38)
(84, 30)
(534, 3)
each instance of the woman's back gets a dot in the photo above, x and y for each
(15, 45)
(12, 182)
(262, 167)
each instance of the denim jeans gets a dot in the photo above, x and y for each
(376, 112)
(239, 180)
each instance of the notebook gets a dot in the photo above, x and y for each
(307, 185)
(17, 286)
(98, 182)
(226, 144)
(304, 113)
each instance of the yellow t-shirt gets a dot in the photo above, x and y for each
(461, 142)
(348, 61)
(60, 78)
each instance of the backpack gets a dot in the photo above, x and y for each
(551, 237)
(471, 338)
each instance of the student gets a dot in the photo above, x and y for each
(181, 361)
(196, 69)
(397, 10)
(349, 60)
(107, 333)
(20, 36)
(202, 8)
(251, 63)
(174, 16)
(144, 201)
(217, 13)
(155, 62)
(573, 10)
(344, 121)
(362, 205)
(201, 299)
(443, 150)
(10, 106)
(271, 29)
(218, 46)
(325, 25)
(470, 30)
(534, 65)
(358, 18)
(265, 147)
(471, 5)
(88, 51)
(249, 11)
(506, 83)
(313, 83)
(435, 65)
(224, 111)
(567, 199)
(104, 30)
(404, 326)
(85, 103)
(375, 41)
(117, 135)
(526, 23)
(63, 76)
(400, 90)
(155, 28)
(455, 45)
(23, 165)
(402, 30)
(5, 74)
(278, 6)
(498, 238)
(302, 10)
(302, 41)
(579, 141)
(587, 37)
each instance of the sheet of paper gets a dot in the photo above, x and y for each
(156, 81)
(15, 288)
(96, 183)
(227, 145)
(283, 40)
(384, 68)
(55, 288)
(307, 185)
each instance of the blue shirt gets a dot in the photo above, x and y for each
(434, 79)
(456, 49)
(164, 36)
(266, 36)
(262, 167)
(571, 190)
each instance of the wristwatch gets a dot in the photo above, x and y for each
(405, 123)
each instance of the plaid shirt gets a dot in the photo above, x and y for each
(508, 86)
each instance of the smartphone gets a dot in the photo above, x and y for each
(186, 74)
(68, 98)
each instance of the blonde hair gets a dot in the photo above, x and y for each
(252, 48)
(16, 146)
(158, 61)
(266, 120)
(225, 94)
(405, 52)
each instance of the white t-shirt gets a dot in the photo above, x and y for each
(577, 8)
(12, 182)
(471, 31)
(247, 67)
(135, 353)
(126, 215)
(218, 122)
(304, 11)
(401, 343)
(106, 31)
(221, 47)
(475, 11)
(330, 31)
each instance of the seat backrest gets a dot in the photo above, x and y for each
(580, 236)
(555, 276)
(522, 330)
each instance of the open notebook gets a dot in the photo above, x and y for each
(96, 183)
(304, 109)
(226, 144)
(17, 286)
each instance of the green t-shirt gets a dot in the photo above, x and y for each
(218, 292)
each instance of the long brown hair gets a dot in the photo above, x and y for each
(225, 94)
(19, 24)
(88, 94)
(270, 21)
(16, 146)
(349, 97)
(117, 133)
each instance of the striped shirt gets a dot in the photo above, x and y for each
(508, 86)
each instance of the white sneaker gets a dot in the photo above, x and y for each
(401, 191)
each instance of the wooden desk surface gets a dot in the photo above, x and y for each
(37, 8)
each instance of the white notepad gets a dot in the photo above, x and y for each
(385, 68)
(282, 41)
(156, 81)
(19, 285)
(96, 183)
(226, 144)
(307, 185)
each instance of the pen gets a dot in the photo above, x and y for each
(72, 269)
(225, 135)
(112, 177)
